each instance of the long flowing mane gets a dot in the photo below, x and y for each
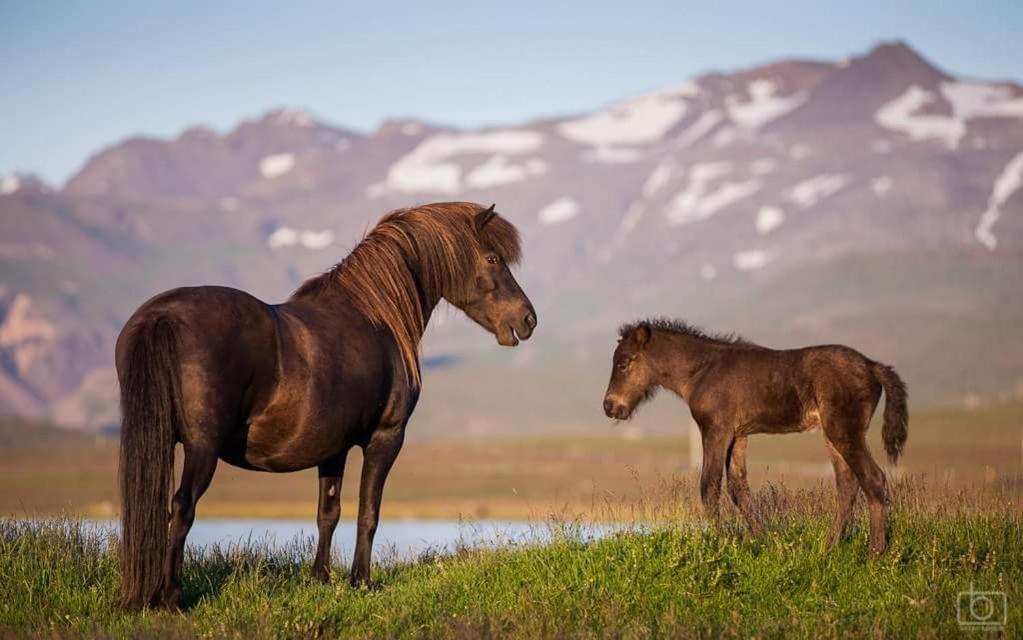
(681, 327)
(413, 255)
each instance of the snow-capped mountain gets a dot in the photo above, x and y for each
(875, 200)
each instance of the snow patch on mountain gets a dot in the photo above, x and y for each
(881, 185)
(750, 260)
(276, 165)
(699, 128)
(428, 168)
(498, 171)
(604, 154)
(764, 104)
(640, 120)
(288, 237)
(9, 185)
(809, 192)
(293, 117)
(698, 202)
(1008, 182)
(769, 219)
(631, 218)
(658, 177)
(561, 210)
(967, 100)
(982, 100)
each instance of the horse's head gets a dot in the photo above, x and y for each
(491, 296)
(632, 378)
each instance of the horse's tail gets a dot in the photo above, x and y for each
(150, 389)
(896, 416)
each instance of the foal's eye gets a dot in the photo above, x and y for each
(493, 259)
(623, 365)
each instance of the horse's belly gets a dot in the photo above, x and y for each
(270, 447)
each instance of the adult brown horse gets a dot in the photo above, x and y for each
(735, 388)
(297, 385)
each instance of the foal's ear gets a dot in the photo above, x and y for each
(485, 216)
(641, 334)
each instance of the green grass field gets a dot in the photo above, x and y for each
(673, 578)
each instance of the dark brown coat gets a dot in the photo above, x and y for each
(736, 388)
(297, 385)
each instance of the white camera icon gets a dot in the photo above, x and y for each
(982, 609)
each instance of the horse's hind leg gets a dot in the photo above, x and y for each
(738, 485)
(847, 487)
(846, 432)
(328, 513)
(200, 463)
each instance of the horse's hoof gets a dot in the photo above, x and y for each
(322, 576)
(172, 599)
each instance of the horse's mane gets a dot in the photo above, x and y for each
(442, 242)
(681, 327)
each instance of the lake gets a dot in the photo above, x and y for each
(395, 539)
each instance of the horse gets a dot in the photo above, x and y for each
(735, 388)
(285, 387)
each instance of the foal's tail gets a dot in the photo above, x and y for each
(896, 416)
(149, 409)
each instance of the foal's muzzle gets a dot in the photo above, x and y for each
(615, 409)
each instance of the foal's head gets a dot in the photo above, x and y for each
(632, 378)
(491, 296)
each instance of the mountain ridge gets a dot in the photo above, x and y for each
(685, 200)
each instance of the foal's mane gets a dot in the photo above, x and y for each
(414, 255)
(681, 327)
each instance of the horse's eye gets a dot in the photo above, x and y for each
(493, 259)
(623, 365)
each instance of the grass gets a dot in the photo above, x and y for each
(668, 575)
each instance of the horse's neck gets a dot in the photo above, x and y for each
(678, 360)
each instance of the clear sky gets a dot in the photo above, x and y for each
(77, 75)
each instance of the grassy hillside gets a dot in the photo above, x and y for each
(675, 578)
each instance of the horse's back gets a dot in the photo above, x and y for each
(224, 351)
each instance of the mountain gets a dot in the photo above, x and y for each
(875, 201)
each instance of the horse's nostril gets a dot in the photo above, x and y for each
(608, 407)
(530, 320)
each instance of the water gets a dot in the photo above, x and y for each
(395, 539)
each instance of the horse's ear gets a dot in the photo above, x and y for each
(485, 216)
(642, 334)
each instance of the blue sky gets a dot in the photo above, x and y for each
(77, 76)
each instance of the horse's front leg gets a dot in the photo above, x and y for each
(378, 457)
(328, 512)
(716, 442)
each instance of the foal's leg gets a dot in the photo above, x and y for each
(738, 485)
(846, 431)
(872, 479)
(328, 512)
(715, 448)
(847, 487)
(200, 463)
(378, 456)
